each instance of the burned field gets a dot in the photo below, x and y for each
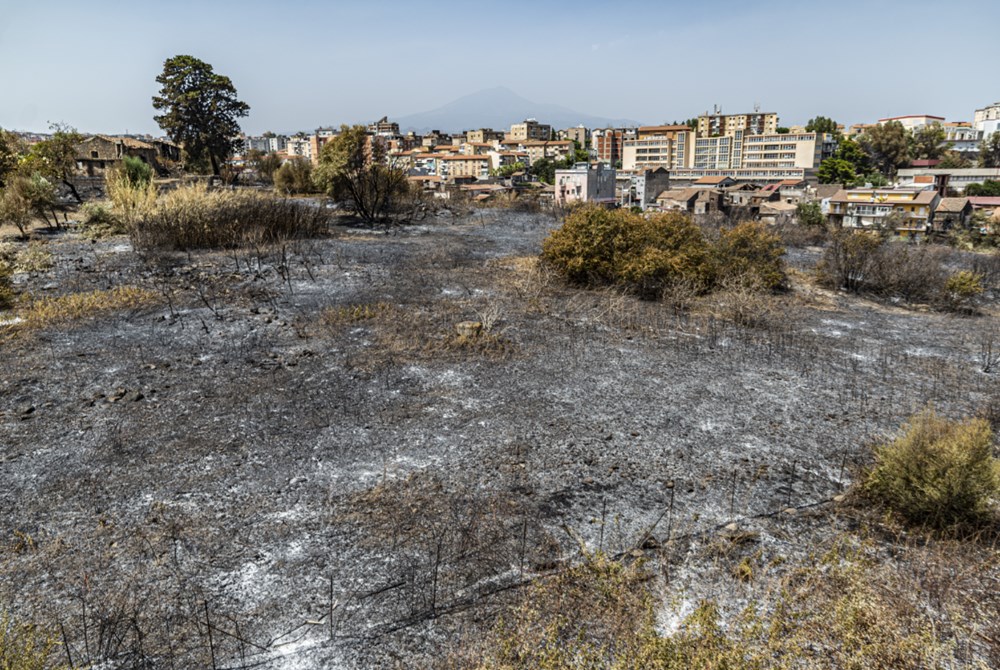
(355, 451)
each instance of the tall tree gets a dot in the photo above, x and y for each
(822, 124)
(200, 110)
(836, 171)
(11, 149)
(953, 160)
(887, 146)
(989, 151)
(354, 166)
(55, 157)
(928, 142)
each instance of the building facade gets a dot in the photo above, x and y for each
(904, 209)
(530, 129)
(987, 119)
(754, 123)
(585, 183)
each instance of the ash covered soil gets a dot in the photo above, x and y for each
(294, 458)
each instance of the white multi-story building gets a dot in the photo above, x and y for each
(913, 121)
(299, 146)
(987, 119)
(585, 183)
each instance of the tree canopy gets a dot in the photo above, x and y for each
(987, 188)
(200, 111)
(928, 142)
(11, 149)
(354, 167)
(989, 151)
(822, 124)
(55, 157)
(888, 147)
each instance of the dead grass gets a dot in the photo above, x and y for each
(49, 312)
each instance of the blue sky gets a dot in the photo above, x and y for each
(304, 63)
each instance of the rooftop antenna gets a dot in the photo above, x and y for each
(756, 108)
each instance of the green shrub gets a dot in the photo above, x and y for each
(196, 218)
(751, 254)
(99, 221)
(962, 289)
(596, 247)
(6, 285)
(136, 171)
(294, 176)
(937, 472)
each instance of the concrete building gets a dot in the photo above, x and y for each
(645, 186)
(987, 119)
(585, 183)
(530, 129)
(299, 146)
(804, 150)
(754, 123)
(483, 135)
(871, 208)
(464, 166)
(99, 153)
(384, 127)
(951, 178)
(657, 147)
(607, 143)
(913, 121)
(578, 134)
(963, 138)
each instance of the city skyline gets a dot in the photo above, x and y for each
(304, 64)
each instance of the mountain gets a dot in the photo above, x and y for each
(498, 108)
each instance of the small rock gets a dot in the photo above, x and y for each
(135, 396)
(588, 481)
(469, 328)
(790, 511)
(731, 528)
(839, 498)
(26, 411)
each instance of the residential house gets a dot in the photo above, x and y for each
(714, 182)
(99, 153)
(692, 201)
(952, 213)
(455, 166)
(913, 210)
(484, 135)
(585, 183)
(579, 135)
(647, 185)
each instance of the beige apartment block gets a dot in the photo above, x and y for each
(756, 123)
(530, 129)
(483, 135)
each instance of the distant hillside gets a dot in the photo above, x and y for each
(498, 108)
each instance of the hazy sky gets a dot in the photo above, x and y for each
(305, 63)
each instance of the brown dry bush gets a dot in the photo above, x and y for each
(196, 218)
(937, 472)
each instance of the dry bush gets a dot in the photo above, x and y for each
(133, 198)
(25, 647)
(194, 217)
(844, 609)
(937, 472)
(850, 260)
(799, 236)
(99, 221)
(6, 285)
(599, 247)
(961, 291)
(750, 253)
(33, 258)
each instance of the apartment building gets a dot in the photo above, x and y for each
(913, 121)
(585, 183)
(987, 119)
(607, 143)
(530, 129)
(871, 208)
(299, 146)
(804, 150)
(464, 166)
(578, 134)
(951, 178)
(657, 147)
(754, 123)
(384, 127)
(483, 135)
(552, 149)
(266, 143)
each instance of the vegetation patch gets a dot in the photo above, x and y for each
(650, 254)
(60, 310)
(195, 217)
(938, 472)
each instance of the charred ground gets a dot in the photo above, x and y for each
(293, 457)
